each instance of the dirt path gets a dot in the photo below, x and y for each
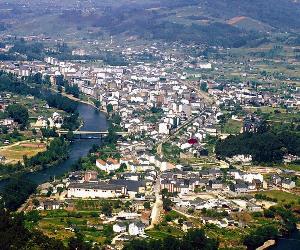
(184, 214)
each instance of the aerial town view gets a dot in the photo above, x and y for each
(150, 124)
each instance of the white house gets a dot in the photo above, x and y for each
(186, 226)
(136, 228)
(163, 128)
(108, 166)
(205, 65)
(250, 177)
(288, 184)
(7, 122)
(119, 227)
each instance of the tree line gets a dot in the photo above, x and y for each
(266, 147)
(10, 83)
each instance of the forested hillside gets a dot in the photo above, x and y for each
(199, 21)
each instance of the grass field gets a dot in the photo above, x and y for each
(276, 115)
(232, 127)
(290, 166)
(15, 153)
(57, 224)
(164, 231)
(281, 196)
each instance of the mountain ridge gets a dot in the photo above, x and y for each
(217, 22)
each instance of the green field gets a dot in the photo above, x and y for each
(61, 225)
(295, 167)
(164, 231)
(232, 127)
(281, 196)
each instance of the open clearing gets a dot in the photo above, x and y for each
(15, 152)
(233, 127)
(281, 196)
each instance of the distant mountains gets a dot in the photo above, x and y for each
(280, 14)
(228, 23)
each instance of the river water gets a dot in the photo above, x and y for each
(93, 121)
(291, 243)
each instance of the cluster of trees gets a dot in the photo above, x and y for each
(264, 197)
(64, 52)
(213, 213)
(152, 25)
(19, 113)
(9, 57)
(38, 78)
(48, 133)
(60, 102)
(106, 208)
(272, 53)
(97, 103)
(71, 122)
(72, 90)
(194, 239)
(258, 237)
(167, 202)
(15, 192)
(217, 34)
(288, 218)
(281, 14)
(33, 51)
(7, 169)
(266, 147)
(60, 81)
(57, 151)
(287, 224)
(203, 86)
(113, 59)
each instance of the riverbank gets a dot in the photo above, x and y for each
(267, 245)
(71, 97)
(92, 121)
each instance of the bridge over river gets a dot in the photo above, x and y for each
(81, 133)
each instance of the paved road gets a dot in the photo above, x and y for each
(206, 99)
(157, 208)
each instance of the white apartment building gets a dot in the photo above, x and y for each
(95, 190)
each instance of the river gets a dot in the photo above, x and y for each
(93, 121)
(291, 243)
